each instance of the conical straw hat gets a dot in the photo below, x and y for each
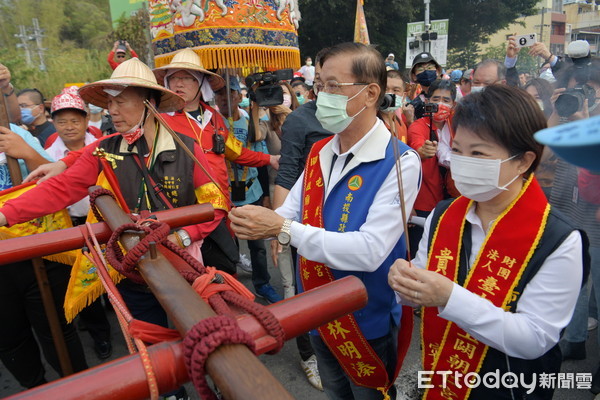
(130, 73)
(187, 59)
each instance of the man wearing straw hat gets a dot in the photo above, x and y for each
(187, 77)
(143, 157)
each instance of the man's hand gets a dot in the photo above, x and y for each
(14, 145)
(539, 49)
(253, 222)
(409, 112)
(280, 109)
(419, 286)
(3, 221)
(127, 45)
(115, 45)
(46, 171)
(5, 79)
(274, 161)
(428, 149)
(511, 49)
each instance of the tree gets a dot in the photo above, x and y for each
(475, 20)
(325, 23)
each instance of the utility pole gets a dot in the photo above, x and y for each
(427, 27)
(24, 45)
(38, 34)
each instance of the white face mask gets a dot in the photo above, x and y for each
(331, 111)
(478, 178)
(477, 89)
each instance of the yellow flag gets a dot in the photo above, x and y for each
(51, 222)
(85, 285)
(361, 34)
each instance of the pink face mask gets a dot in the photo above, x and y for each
(443, 113)
(287, 100)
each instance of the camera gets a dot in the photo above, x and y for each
(269, 92)
(430, 108)
(391, 102)
(571, 100)
(122, 42)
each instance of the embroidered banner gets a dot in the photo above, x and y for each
(499, 265)
(253, 35)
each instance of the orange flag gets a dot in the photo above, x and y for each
(361, 34)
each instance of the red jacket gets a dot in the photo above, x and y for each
(432, 185)
(111, 58)
(234, 149)
(72, 185)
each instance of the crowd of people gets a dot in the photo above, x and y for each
(325, 178)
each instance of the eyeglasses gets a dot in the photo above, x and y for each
(335, 87)
(30, 106)
(186, 79)
(425, 67)
(121, 56)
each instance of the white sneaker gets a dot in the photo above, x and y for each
(244, 263)
(592, 323)
(312, 372)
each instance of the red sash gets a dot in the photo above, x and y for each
(343, 336)
(504, 255)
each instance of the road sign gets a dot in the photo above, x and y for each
(439, 47)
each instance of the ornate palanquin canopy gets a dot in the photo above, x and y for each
(251, 35)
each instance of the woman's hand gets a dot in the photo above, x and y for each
(419, 286)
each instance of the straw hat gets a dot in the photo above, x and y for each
(187, 59)
(130, 73)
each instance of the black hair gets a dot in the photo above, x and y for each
(505, 115)
(34, 94)
(443, 84)
(368, 65)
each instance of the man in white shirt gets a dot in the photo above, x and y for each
(344, 216)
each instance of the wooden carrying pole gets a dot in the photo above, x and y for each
(43, 244)
(40, 269)
(125, 378)
(235, 370)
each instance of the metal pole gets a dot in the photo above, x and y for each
(427, 24)
(24, 45)
(233, 368)
(38, 35)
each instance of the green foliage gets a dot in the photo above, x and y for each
(325, 23)
(525, 62)
(474, 20)
(465, 57)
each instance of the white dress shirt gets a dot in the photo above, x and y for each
(542, 311)
(367, 248)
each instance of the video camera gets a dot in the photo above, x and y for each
(268, 92)
(430, 108)
(572, 99)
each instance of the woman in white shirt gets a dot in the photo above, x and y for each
(498, 271)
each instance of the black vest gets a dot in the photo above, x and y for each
(173, 171)
(557, 230)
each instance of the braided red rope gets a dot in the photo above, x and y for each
(204, 338)
(210, 333)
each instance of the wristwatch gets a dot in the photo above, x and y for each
(285, 236)
(185, 238)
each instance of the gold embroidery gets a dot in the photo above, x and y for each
(335, 328)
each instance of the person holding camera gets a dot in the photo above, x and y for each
(248, 185)
(118, 53)
(425, 70)
(432, 136)
(397, 111)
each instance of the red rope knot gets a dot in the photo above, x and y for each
(215, 281)
(156, 232)
(204, 338)
(93, 196)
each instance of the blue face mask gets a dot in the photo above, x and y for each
(301, 99)
(245, 102)
(426, 78)
(27, 116)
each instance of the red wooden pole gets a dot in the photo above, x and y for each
(43, 244)
(125, 378)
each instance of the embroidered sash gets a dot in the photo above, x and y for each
(504, 255)
(343, 336)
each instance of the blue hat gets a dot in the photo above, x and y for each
(577, 142)
(456, 75)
